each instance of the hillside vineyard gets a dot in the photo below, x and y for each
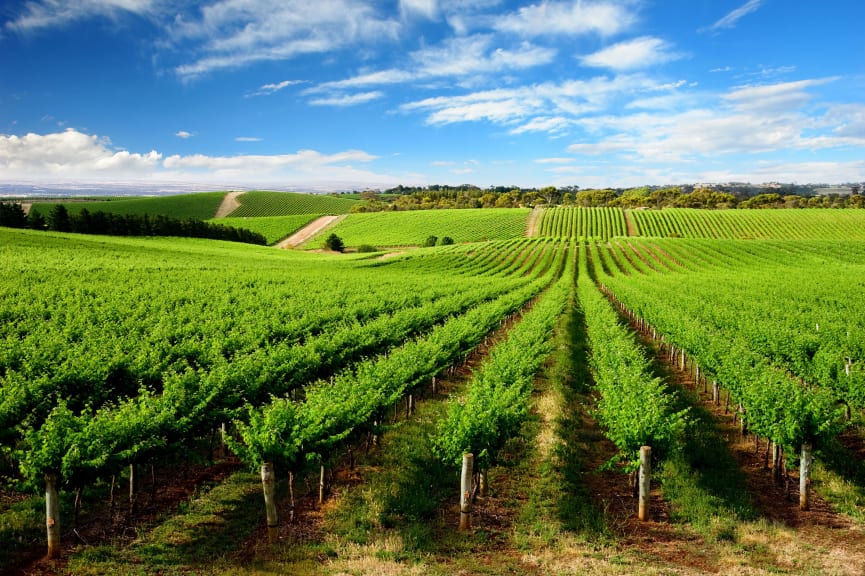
(121, 356)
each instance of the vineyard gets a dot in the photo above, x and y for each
(200, 206)
(258, 204)
(802, 224)
(569, 222)
(274, 228)
(412, 228)
(625, 392)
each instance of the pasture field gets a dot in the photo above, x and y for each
(200, 206)
(412, 228)
(274, 228)
(261, 203)
(156, 388)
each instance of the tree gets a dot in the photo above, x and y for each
(12, 215)
(430, 241)
(334, 243)
(58, 219)
(446, 241)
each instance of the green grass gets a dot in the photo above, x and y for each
(259, 203)
(412, 228)
(201, 206)
(274, 228)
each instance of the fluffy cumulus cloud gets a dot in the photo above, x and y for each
(70, 154)
(75, 155)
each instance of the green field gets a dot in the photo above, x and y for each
(799, 224)
(413, 228)
(552, 359)
(258, 203)
(200, 206)
(274, 228)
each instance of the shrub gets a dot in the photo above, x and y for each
(334, 242)
(446, 241)
(430, 241)
(367, 248)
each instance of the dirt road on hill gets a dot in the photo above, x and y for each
(532, 223)
(229, 204)
(309, 231)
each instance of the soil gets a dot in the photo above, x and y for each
(229, 204)
(632, 230)
(532, 222)
(308, 231)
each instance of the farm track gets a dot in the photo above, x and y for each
(533, 221)
(309, 231)
(229, 204)
(629, 222)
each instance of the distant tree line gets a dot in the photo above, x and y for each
(734, 196)
(105, 223)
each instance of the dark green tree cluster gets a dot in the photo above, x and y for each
(12, 216)
(436, 241)
(334, 243)
(105, 223)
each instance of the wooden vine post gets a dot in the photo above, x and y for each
(466, 492)
(52, 515)
(268, 484)
(645, 481)
(805, 475)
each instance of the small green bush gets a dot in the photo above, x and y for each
(367, 248)
(334, 243)
(446, 241)
(430, 241)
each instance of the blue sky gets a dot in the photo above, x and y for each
(354, 93)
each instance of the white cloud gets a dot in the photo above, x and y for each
(752, 120)
(779, 97)
(268, 89)
(303, 159)
(50, 13)
(247, 139)
(632, 54)
(183, 134)
(567, 18)
(75, 155)
(535, 105)
(426, 8)
(555, 161)
(732, 18)
(455, 57)
(543, 124)
(234, 33)
(69, 154)
(347, 100)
